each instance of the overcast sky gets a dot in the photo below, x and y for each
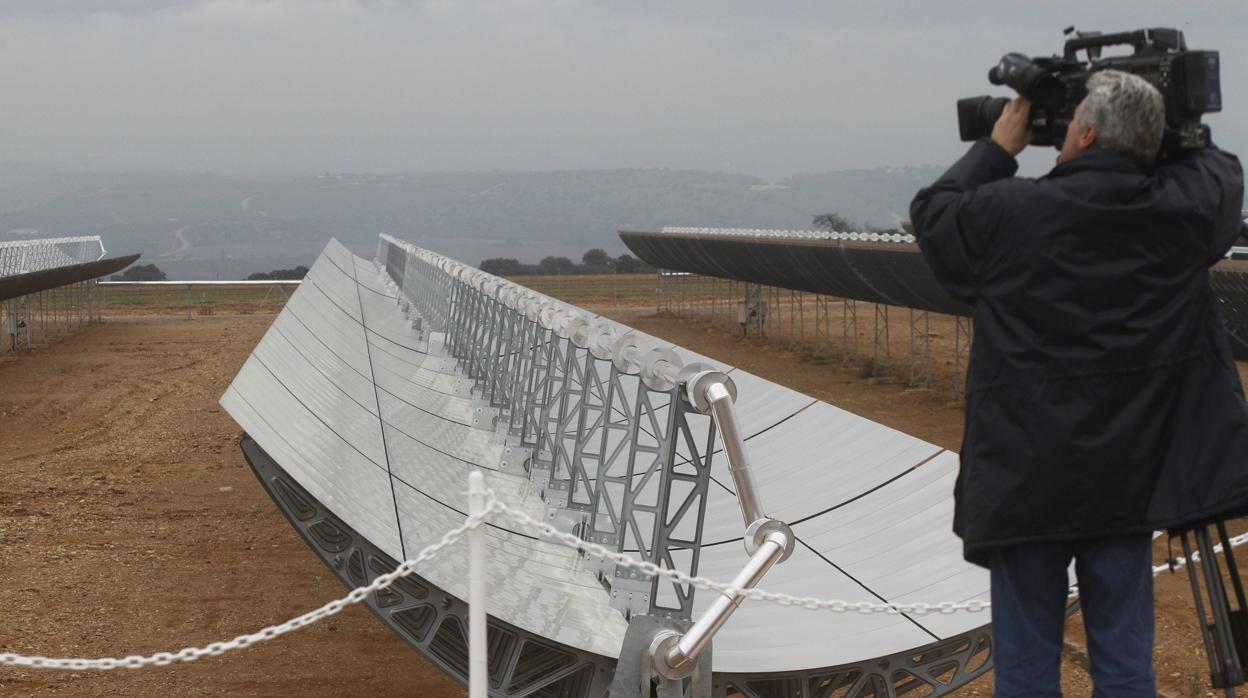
(766, 88)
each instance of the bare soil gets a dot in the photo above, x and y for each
(130, 523)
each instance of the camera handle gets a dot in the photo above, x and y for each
(1163, 39)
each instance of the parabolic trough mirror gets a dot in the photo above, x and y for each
(384, 382)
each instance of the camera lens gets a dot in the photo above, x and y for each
(977, 116)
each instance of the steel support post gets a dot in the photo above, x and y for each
(472, 328)
(881, 363)
(491, 334)
(587, 456)
(645, 486)
(714, 297)
(547, 422)
(485, 347)
(690, 286)
(476, 324)
(505, 348)
(24, 322)
(773, 301)
(562, 428)
(495, 349)
(678, 294)
(501, 352)
(792, 320)
(479, 323)
(849, 332)
(614, 437)
(522, 377)
(801, 321)
(660, 292)
(478, 665)
(920, 349)
(457, 330)
(683, 492)
(820, 327)
(536, 389)
(455, 334)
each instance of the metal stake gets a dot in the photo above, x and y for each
(478, 664)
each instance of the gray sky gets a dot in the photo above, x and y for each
(766, 88)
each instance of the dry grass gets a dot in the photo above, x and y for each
(240, 299)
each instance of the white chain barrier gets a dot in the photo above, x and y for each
(190, 654)
(549, 532)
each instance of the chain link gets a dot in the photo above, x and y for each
(807, 602)
(494, 506)
(917, 608)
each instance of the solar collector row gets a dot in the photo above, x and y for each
(887, 273)
(43, 280)
(375, 423)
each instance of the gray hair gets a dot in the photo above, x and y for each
(1128, 113)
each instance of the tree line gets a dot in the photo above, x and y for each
(836, 223)
(280, 274)
(595, 261)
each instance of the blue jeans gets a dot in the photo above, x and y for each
(1029, 588)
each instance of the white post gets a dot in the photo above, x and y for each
(478, 671)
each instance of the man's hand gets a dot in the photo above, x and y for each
(1012, 132)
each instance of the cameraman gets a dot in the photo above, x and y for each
(1102, 401)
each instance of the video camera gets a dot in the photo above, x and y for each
(1188, 81)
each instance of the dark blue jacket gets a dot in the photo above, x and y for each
(1101, 396)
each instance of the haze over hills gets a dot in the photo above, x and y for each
(197, 226)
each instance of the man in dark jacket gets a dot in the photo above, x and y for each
(1102, 401)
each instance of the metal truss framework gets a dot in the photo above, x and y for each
(612, 453)
(788, 317)
(25, 256)
(934, 670)
(38, 318)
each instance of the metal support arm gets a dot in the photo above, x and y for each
(675, 655)
(721, 404)
(768, 541)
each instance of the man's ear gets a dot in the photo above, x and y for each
(1087, 138)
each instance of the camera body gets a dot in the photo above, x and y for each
(1189, 82)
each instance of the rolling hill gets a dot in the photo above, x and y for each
(217, 226)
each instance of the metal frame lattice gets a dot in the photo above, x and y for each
(26, 256)
(613, 456)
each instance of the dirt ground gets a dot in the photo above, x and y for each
(130, 523)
